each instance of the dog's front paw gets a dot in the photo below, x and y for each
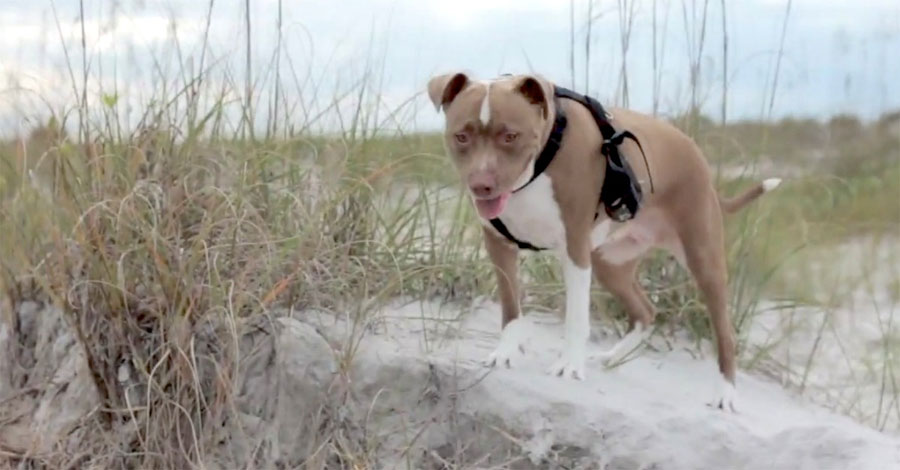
(570, 365)
(726, 397)
(510, 348)
(506, 354)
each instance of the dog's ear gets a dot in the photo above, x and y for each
(537, 91)
(444, 88)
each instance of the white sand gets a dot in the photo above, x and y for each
(647, 413)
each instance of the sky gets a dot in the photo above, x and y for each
(838, 56)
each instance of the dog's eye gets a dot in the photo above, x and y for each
(462, 138)
(510, 137)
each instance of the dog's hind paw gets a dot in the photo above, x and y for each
(630, 343)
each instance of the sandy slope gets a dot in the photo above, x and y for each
(647, 413)
(421, 399)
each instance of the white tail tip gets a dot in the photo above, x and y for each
(771, 184)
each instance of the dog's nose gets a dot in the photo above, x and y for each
(483, 184)
(481, 189)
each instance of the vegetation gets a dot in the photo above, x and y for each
(149, 238)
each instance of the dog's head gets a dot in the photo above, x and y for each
(494, 132)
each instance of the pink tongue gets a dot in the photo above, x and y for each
(491, 208)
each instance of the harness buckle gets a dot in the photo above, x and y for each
(620, 214)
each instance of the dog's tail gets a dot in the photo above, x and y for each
(730, 206)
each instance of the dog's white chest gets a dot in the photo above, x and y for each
(532, 215)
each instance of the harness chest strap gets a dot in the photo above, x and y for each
(621, 192)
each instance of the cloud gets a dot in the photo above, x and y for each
(838, 54)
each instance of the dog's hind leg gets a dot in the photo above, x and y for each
(702, 238)
(621, 281)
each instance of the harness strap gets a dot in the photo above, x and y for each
(501, 227)
(554, 141)
(621, 193)
(599, 114)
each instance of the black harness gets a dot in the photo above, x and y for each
(621, 193)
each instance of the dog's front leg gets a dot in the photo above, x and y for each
(504, 256)
(577, 276)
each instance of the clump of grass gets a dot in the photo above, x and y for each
(149, 243)
(164, 244)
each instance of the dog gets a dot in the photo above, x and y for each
(498, 134)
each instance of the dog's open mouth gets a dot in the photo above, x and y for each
(491, 208)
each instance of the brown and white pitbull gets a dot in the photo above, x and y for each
(494, 132)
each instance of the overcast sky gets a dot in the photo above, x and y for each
(839, 55)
